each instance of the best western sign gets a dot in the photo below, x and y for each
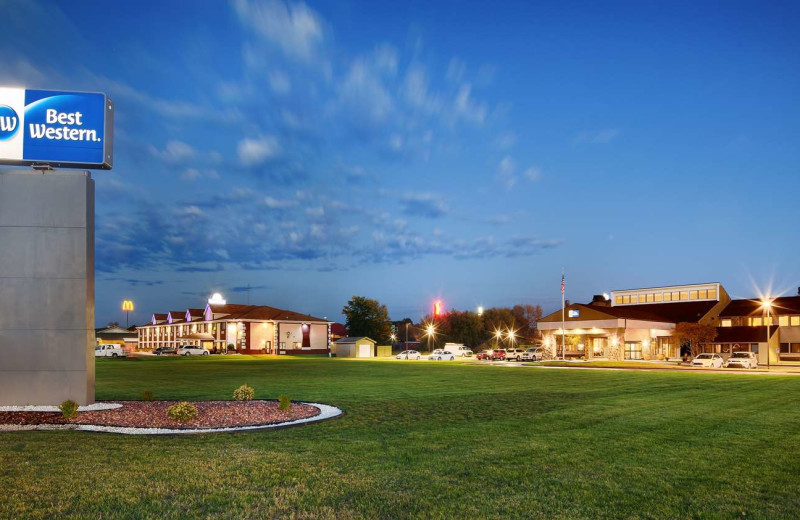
(62, 129)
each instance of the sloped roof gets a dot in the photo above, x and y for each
(353, 340)
(781, 306)
(743, 334)
(261, 312)
(338, 329)
(673, 312)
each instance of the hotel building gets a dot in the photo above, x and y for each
(639, 324)
(246, 329)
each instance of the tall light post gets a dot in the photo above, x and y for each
(430, 331)
(511, 337)
(127, 308)
(766, 304)
(405, 347)
(497, 335)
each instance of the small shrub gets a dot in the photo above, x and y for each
(147, 395)
(182, 412)
(69, 409)
(284, 402)
(244, 393)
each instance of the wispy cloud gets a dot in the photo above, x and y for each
(256, 151)
(293, 27)
(596, 137)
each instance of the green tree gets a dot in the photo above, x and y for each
(367, 317)
(462, 327)
(694, 334)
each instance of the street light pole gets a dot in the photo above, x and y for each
(767, 305)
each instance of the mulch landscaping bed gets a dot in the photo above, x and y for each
(153, 414)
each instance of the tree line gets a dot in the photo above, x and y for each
(368, 317)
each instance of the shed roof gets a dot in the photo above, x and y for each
(354, 340)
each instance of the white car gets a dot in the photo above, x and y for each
(409, 354)
(192, 350)
(458, 349)
(442, 355)
(110, 350)
(533, 354)
(708, 360)
(742, 360)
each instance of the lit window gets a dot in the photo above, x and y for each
(650, 298)
(667, 297)
(658, 297)
(756, 322)
(712, 294)
(634, 298)
(703, 294)
(619, 300)
(783, 321)
(726, 323)
(692, 295)
(795, 321)
(768, 321)
(626, 299)
(675, 296)
(684, 295)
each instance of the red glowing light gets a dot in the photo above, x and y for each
(437, 308)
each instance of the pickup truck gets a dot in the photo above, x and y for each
(110, 350)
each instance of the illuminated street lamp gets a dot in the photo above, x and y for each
(430, 332)
(480, 310)
(497, 335)
(127, 308)
(511, 337)
(393, 337)
(766, 304)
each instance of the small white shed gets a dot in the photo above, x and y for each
(354, 347)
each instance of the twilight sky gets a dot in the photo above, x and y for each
(457, 150)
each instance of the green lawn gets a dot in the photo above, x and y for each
(428, 440)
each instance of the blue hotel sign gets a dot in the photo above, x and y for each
(59, 129)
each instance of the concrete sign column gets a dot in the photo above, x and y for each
(46, 287)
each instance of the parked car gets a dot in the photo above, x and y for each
(409, 354)
(742, 360)
(110, 350)
(458, 349)
(708, 360)
(163, 351)
(442, 355)
(497, 354)
(483, 354)
(533, 354)
(192, 350)
(514, 354)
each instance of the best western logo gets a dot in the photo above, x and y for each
(65, 132)
(9, 122)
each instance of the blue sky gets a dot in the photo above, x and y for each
(457, 150)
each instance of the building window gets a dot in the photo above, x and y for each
(795, 321)
(783, 321)
(768, 320)
(684, 295)
(633, 350)
(784, 348)
(651, 298)
(658, 297)
(703, 294)
(667, 297)
(626, 299)
(756, 322)
(795, 348)
(692, 295)
(712, 294)
(619, 300)
(726, 323)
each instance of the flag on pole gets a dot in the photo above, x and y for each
(563, 283)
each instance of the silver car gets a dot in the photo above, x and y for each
(192, 350)
(409, 354)
(742, 360)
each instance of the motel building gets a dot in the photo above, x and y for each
(245, 329)
(638, 324)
